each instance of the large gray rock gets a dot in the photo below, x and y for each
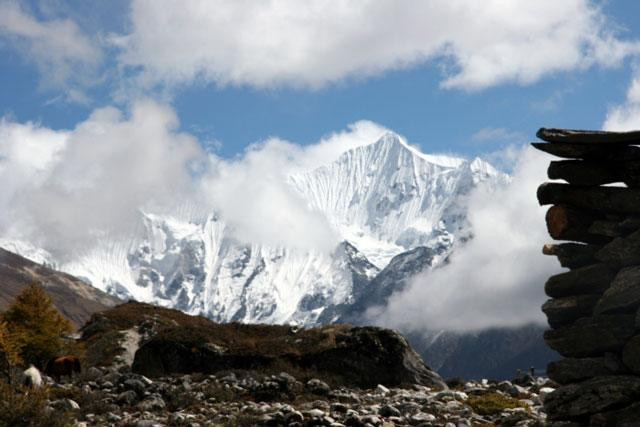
(623, 294)
(578, 401)
(592, 336)
(357, 356)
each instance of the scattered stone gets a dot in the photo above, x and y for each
(316, 386)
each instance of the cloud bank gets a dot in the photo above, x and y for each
(314, 43)
(494, 280)
(64, 190)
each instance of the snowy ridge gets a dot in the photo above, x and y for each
(387, 198)
(384, 199)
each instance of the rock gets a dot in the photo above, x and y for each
(152, 403)
(114, 418)
(599, 138)
(623, 295)
(569, 150)
(128, 397)
(571, 370)
(93, 373)
(381, 389)
(316, 386)
(544, 392)
(359, 356)
(572, 255)
(592, 279)
(338, 407)
(65, 404)
(591, 336)
(631, 354)
(622, 251)
(581, 172)
(591, 396)
(562, 311)
(294, 417)
(420, 418)
(601, 199)
(135, 385)
(389, 411)
(625, 417)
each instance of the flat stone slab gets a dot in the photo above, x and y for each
(580, 136)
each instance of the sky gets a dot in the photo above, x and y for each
(449, 76)
(109, 108)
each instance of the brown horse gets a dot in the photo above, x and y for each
(61, 366)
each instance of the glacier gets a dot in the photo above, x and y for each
(397, 211)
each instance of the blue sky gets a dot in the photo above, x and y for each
(410, 100)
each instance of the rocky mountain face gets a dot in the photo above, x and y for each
(398, 211)
(72, 297)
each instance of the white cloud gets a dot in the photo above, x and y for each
(65, 56)
(626, 117)
(317, 42)
(253, 194)
(497, 278)
(63, 189)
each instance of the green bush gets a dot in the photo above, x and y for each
(493, 403)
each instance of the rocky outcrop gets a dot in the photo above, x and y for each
(172, 342)
(594, 308)
(71, 296)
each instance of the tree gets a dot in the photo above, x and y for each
(9, 351)
(39, 327)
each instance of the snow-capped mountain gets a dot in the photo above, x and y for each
(385, 199)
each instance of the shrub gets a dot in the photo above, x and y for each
(28, 408)
(493, 403)
(39, 327)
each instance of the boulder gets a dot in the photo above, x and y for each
(359, 356)
(580, 400)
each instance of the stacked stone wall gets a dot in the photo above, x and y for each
(593, 310)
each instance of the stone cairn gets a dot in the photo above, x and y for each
(594, 307)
